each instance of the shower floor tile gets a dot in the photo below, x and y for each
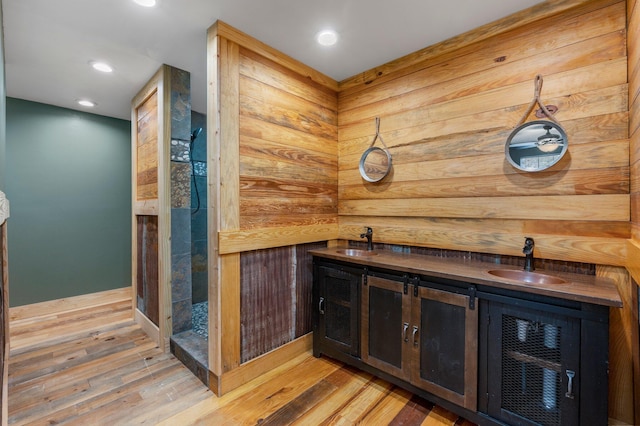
(201, 319)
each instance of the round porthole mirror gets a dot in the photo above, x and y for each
(375, 164)
(536, 145)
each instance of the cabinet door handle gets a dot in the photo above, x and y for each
(405, 327)
(321, 305)
(570, 374)
(415, 332)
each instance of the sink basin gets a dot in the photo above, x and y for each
(357, 252)
(526, 277)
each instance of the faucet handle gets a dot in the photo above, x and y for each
(528, 245)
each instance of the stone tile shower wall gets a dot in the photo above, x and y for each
(199, 275)
(180, 201)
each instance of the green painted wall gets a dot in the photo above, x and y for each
(68, 179)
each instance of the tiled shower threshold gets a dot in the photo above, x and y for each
(191, 346)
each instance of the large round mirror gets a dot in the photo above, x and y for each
(536, 145)
(375, 163)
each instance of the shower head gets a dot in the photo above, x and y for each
(195, 133)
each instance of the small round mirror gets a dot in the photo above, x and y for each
(536, 145)
(375, 164)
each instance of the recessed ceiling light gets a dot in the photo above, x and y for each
(146, 3)
(86, 103)
(327, 37)
(102, 67)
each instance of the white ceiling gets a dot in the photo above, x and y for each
(49, 43)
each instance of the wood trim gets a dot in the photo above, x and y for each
(69, 304)
(230, 135)
(145, 207)
(147, 326)
(223, 136)
(633, 259)
(621, 324)
(260, 365)
(165, 320)
(213, 213)
(220, 28)
(256, 239)
(229, 308)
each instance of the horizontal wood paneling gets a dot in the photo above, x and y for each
(288, 167)
(446, 118)
(560, 240)
(147, 149)
(566, 207)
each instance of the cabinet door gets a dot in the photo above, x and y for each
(386, 309)
(533, 366)
(338, 308)
(445, 348)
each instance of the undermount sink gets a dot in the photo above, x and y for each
(526, 276)
(357, 252)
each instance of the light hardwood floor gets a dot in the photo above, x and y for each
(95, 366)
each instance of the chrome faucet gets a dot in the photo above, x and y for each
(528, 254)
(369, 236)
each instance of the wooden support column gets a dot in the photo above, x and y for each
(224, 211)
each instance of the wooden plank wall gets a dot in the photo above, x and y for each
(147, 149)
(633, 246)
(633, 12)
(273, 165)
(446, 113)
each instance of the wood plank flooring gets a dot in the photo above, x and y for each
(95, 366)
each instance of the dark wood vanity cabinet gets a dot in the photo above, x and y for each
(337, 313)
(423, 335)
(495, 356)
(544, 363)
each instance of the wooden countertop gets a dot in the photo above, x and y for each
(577, 287)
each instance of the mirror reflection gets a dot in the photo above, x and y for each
(536, 145)
(375, 164)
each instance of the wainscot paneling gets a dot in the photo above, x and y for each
(275, 297)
